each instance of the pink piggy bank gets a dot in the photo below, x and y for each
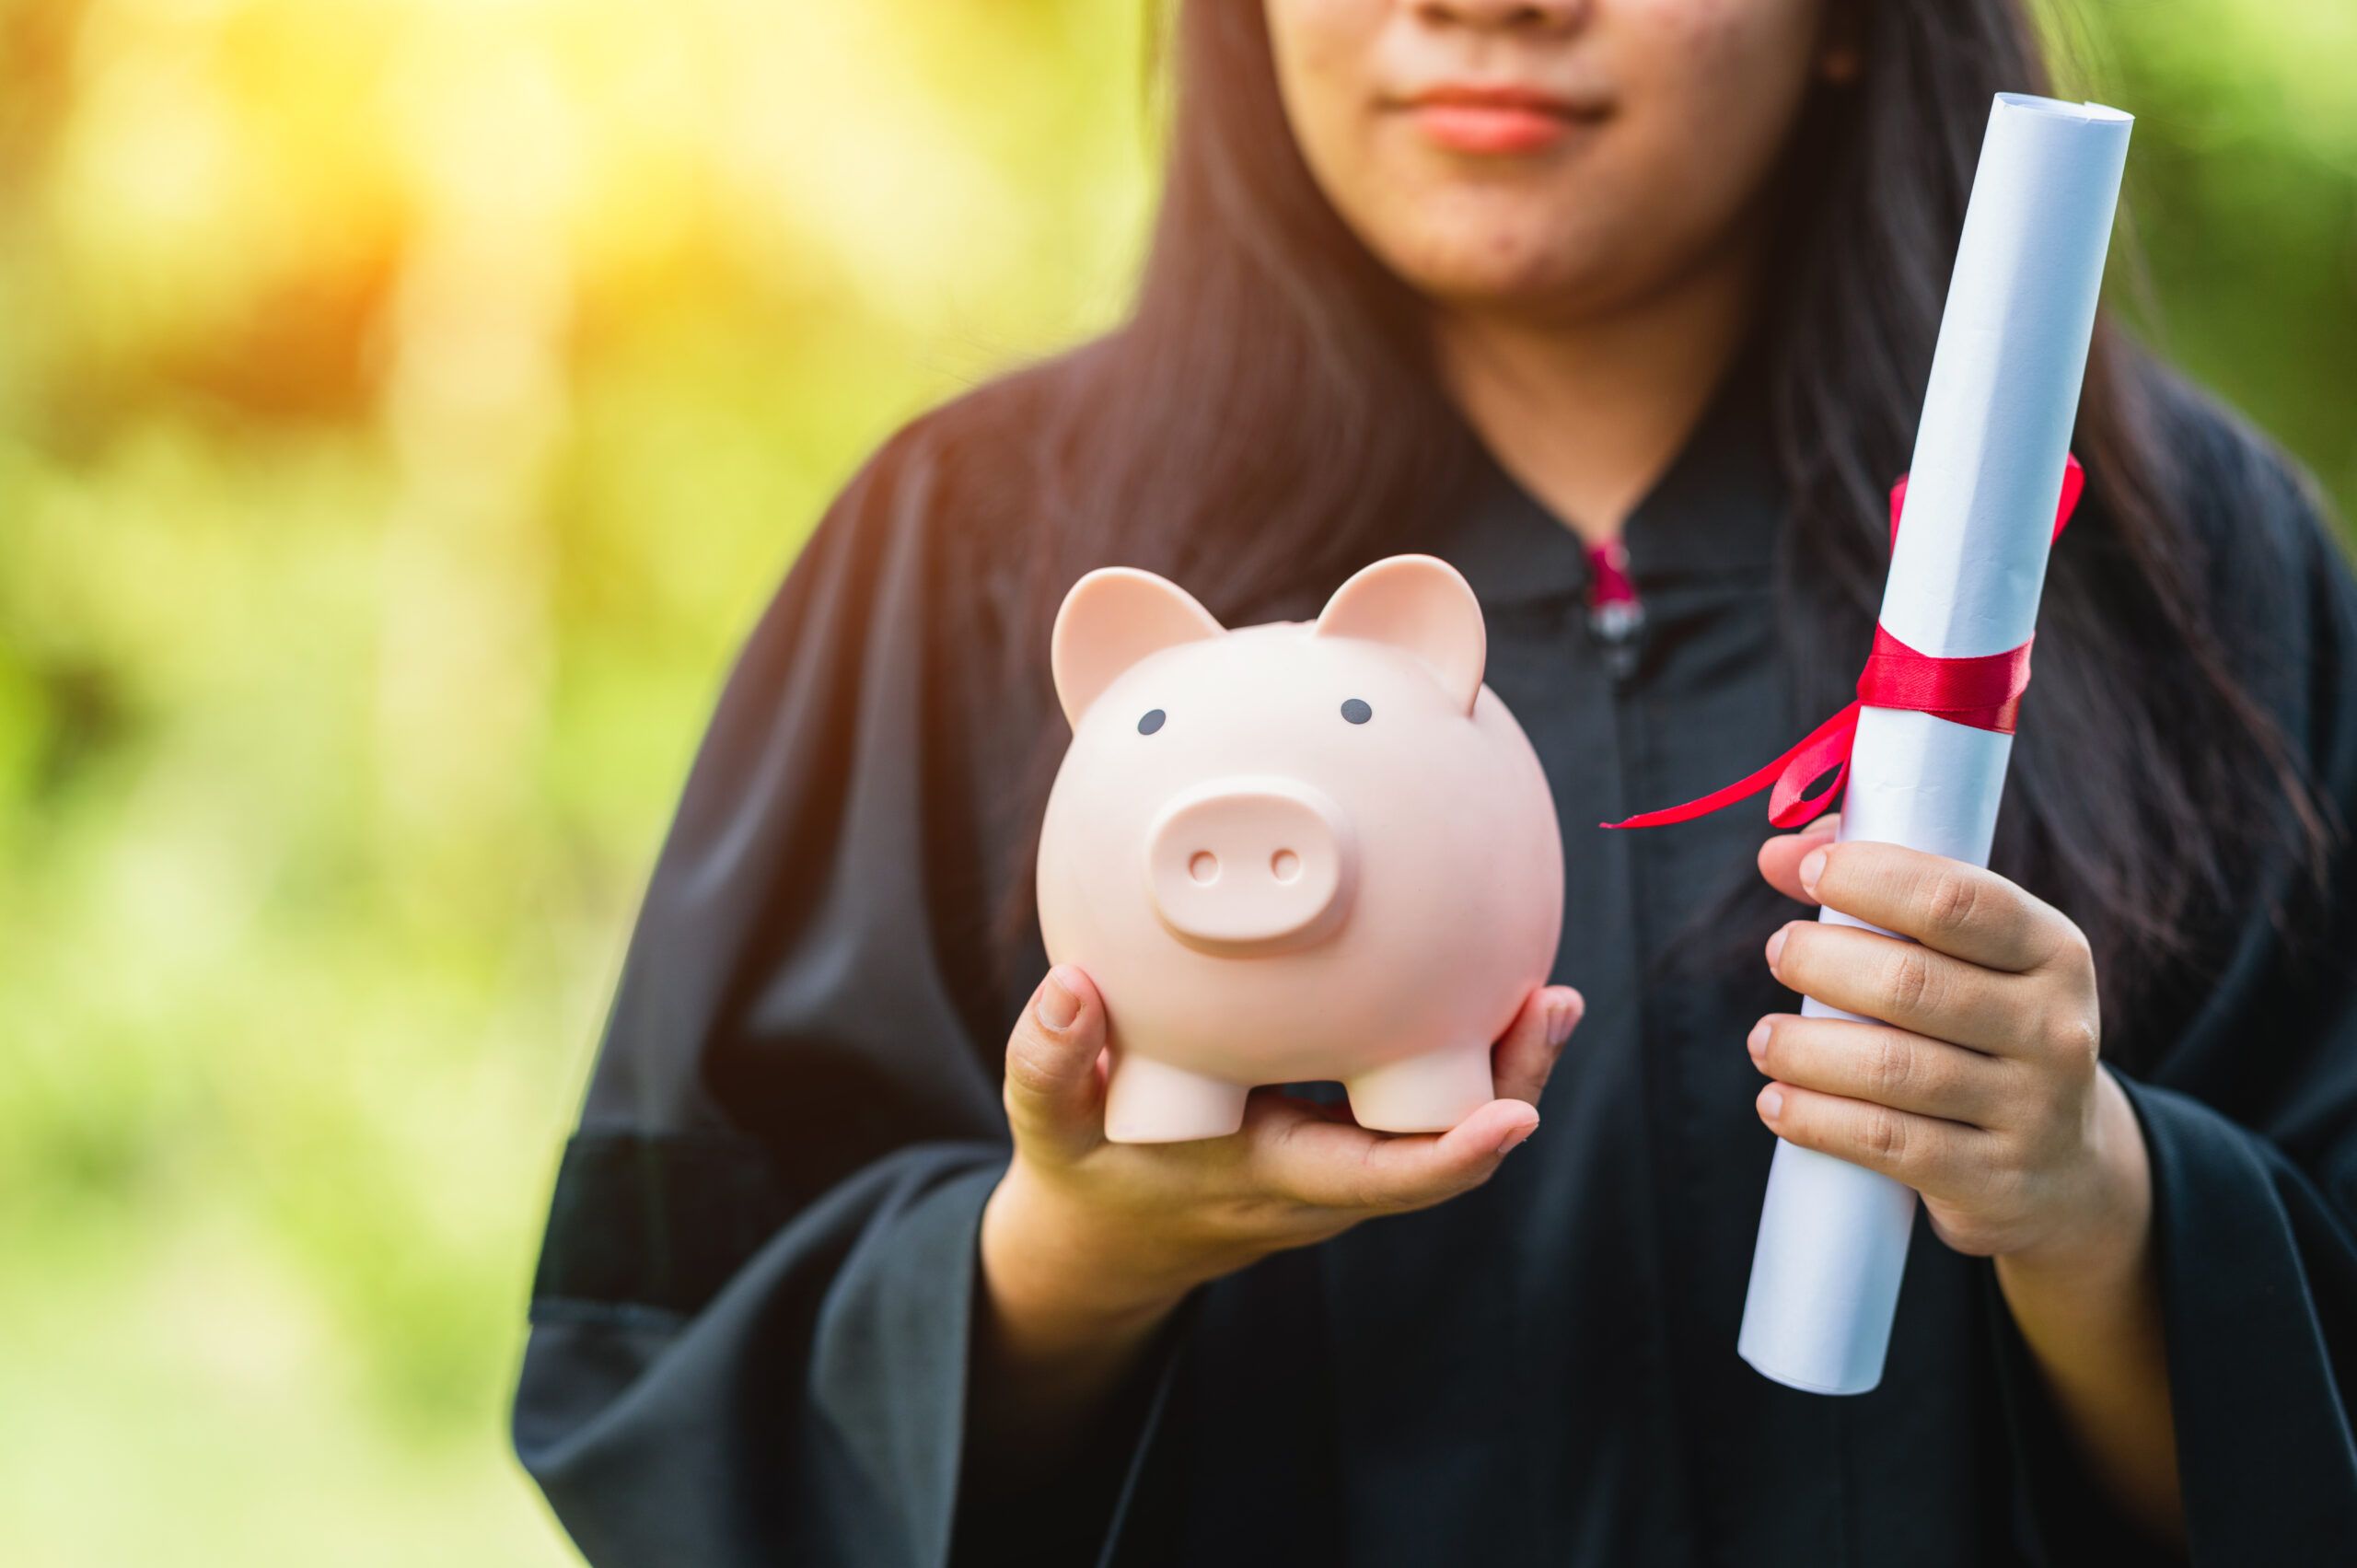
(1295, 853)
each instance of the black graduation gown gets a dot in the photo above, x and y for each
(751, 1321)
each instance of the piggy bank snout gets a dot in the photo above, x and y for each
(1243, 863)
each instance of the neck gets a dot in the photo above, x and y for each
(1587, 413)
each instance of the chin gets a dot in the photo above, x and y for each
(1500, 265)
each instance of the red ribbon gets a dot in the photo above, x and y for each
(1984, 692)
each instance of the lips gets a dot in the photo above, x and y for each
(1497, 120)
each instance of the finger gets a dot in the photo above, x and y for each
(1780, 857)
(1053, 1089)
(1525, 1054)
(1955, 909)
(1331, 1165)
(1908, 985)
(1925, 1153)
(1882, 1066)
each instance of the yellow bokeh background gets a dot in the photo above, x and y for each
(405, 405)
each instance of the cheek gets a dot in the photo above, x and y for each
(1324, 54)
(1715, 88)
(1305, 28)
(1718, 82)
(1771, 33)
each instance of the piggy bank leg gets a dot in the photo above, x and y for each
(1431, 1093)
(1152, 1102)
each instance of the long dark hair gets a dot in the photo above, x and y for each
(1267, 419)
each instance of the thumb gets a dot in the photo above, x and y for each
(1053, 1091)
(1780, 858)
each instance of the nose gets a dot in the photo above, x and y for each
(1251, 863)
(1533, 16)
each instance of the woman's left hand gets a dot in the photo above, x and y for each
(1979, 1086)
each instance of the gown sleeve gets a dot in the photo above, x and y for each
(2249, 1115)
(750, 1318)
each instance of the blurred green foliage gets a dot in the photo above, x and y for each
(404, 407)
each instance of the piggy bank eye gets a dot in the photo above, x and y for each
(1152, 721)
(1357, 712)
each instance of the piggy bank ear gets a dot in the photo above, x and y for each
(1420, 604)
(1114, 617)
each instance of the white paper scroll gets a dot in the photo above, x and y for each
(1964, 581)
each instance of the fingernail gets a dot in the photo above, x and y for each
(1559, 1021)
(1776, 946)
(1058, 1005)
(1758, 1040)
(1771, 1102)
(1811, 868)
(1513, 1140)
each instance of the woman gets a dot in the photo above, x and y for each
(1626, 311)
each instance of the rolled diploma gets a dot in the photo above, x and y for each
(1964, 576)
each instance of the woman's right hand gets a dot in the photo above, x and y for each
(1087, 1246)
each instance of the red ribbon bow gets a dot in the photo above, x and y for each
(1984, 692)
